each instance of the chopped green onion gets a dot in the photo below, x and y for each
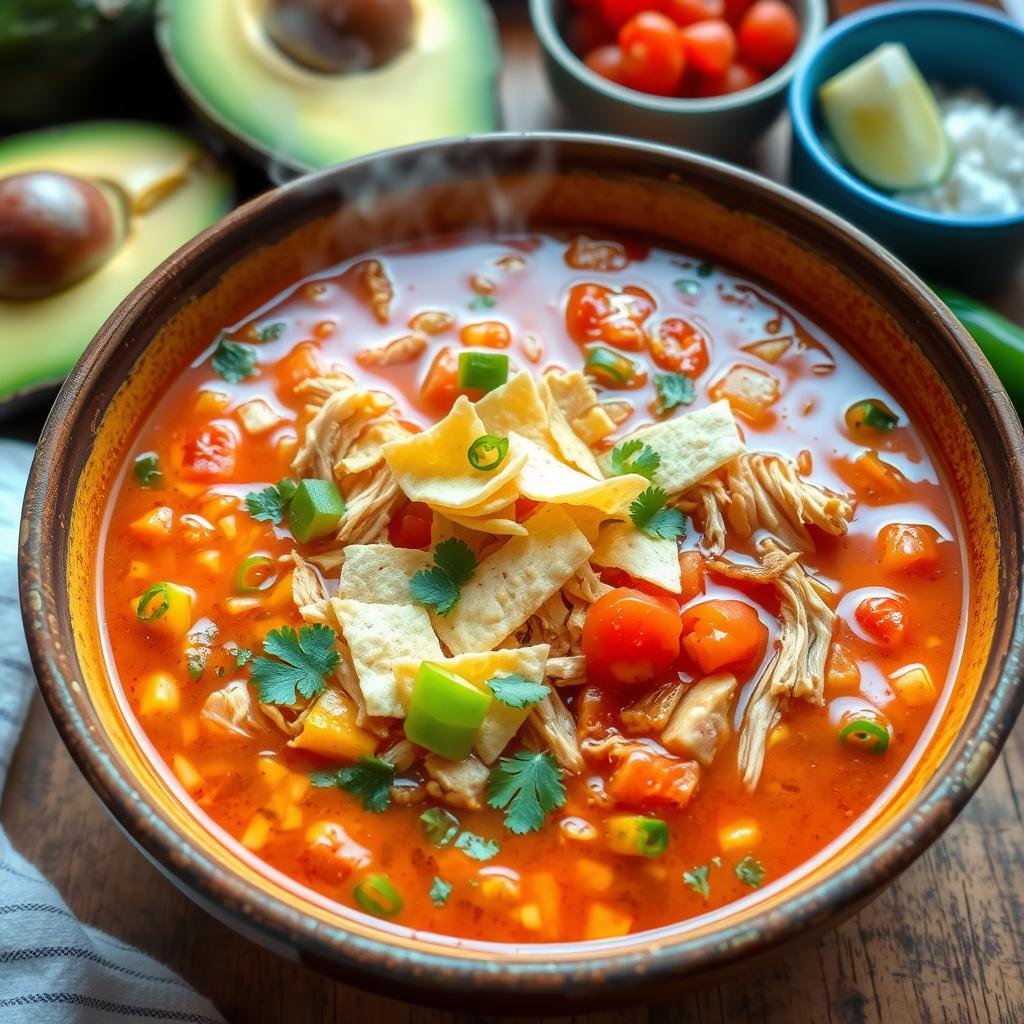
(488, 452)
(872, 414)
(377, 896)
(610, 367)
(147, 613)
(445, 712)
(862, 732)
(637, 836)
(315, 510)
(147, 470)
(256, 573)
(687, 285)
(440, 826)
(482, 371)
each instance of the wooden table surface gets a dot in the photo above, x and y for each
(945, 943)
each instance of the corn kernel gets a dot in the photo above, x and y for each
(209, 403)
(743, 835)
(209, 560)
(594, 874)
(529, 915)
(257, 832)
(272, 771)
(228, 526)
(154, 526)
(138, 570)
(914, 686)
(606, 922)
(160, 696)
(186, 773)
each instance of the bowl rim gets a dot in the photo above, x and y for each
(802, 103)
(577, 972)
(554, 44)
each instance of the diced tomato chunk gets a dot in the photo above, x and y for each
(717, 634)
(300, 364)
(679, 347)
(906, 548)
(884, 619)
(210, 454)
(410, 527)
(630, 637)
(691, 570)
(486, 334)
(331, 854)
(440, 387)
(648, 779)
(595, 312)
(594, 711)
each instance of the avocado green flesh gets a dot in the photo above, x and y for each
(177, 193)
(443, 84)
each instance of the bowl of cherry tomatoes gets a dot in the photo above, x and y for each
(705, 74)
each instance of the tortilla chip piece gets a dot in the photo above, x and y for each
(378, 635)
(502, 722)
(578, 402)
(380, 573)
(433, 466)
(511, 584)
(654, 559)
(543, 478)
(501, 524)
(691, 446)
(570, 445)
(516, 405)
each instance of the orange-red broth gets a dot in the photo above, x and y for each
(813, 787)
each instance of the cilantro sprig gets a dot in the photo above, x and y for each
(271, 331)
(673, 389)
(635, 457)
(650, 515)
(298, 663)
(440, 585)
(750, 872)
(697, 880)
(517, 691)
(270, 504)
(440, 890)
(233, 360)
(527, 786)
(370, 779)
(147, 470)
(477, 847)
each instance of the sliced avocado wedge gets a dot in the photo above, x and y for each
(444, 82)
(169, 190)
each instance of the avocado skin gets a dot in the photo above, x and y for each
(62, 59)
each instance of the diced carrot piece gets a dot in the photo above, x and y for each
(906, 548)
(271, 771)
(874, 474)
(841, 670)
(691, 568)
(720, 633)
(606, 922)
(211, 403)
(499, 884)
(330, 729)
(646, 779)
(486, 334)
(593, 710)
(740, 835)
(186, 773)
(749, 390)
(440, 387)
(300, 364)
(154, 527)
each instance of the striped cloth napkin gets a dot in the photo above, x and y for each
(53, 968)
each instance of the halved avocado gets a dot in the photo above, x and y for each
(444, 82)
(167, 189)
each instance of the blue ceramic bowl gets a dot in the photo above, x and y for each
(956, 45)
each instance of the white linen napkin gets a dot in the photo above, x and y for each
(53, 968)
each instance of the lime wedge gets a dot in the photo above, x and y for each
(886, 123)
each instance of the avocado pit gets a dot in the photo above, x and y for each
(340, 36)
(55, 229)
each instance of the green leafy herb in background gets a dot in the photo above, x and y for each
(147, 470)
(483, 302)
(697, 880)
(440, 826)
(476, 846)
(271, 332)
(750, 872)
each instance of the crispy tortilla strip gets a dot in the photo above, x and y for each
(502, 525)
(568, 443)
(578, 402)
(378, 635)
(380, 573)
(543, 478)
(502, 722)
(516, 405)
(654, 559)
(512, 583)
(433, 466)
(691, 446)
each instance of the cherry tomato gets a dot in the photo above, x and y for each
(410, 528)
(440, 387)
(679, 347)
(210, 453)
(595, 312)
(768, 34)
(589, 30)
(710, 46)
(653, 54)
(689, 12)
(735, 78)
(606, 61)
(884, 619)
(735, 9)
(647, 779)
(618, 12)
(906, 548)
(486, 334)
(721, 633)
(630, 637)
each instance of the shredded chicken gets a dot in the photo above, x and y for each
(805, 636)
(402, 755)
(586, 585)
(406, 349)
(651, 712)
(766, 492)
(310, 593)
(289, 720)
(578, 401)
(457, 783)
(233, 708)
(554, 728)
(701, 723)
(567, 670)
(377, 287)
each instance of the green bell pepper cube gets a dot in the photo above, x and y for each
(445, 712)
(315, 510)
(482, 371)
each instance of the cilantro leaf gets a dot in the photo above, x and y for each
(270, 504)
(635, 457)
(439, 585)
(305, 659)
(650, 516)
(476, 846)
(673, 389)
(527, 786)
(483, 302)
(370, 779)
(233, 360)
(147, 470)
(271, 332)
(697, 880)
(198, 647)
(440, 890)
(242, 657)
(517, 691)
(750, 872)
(440, 826)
